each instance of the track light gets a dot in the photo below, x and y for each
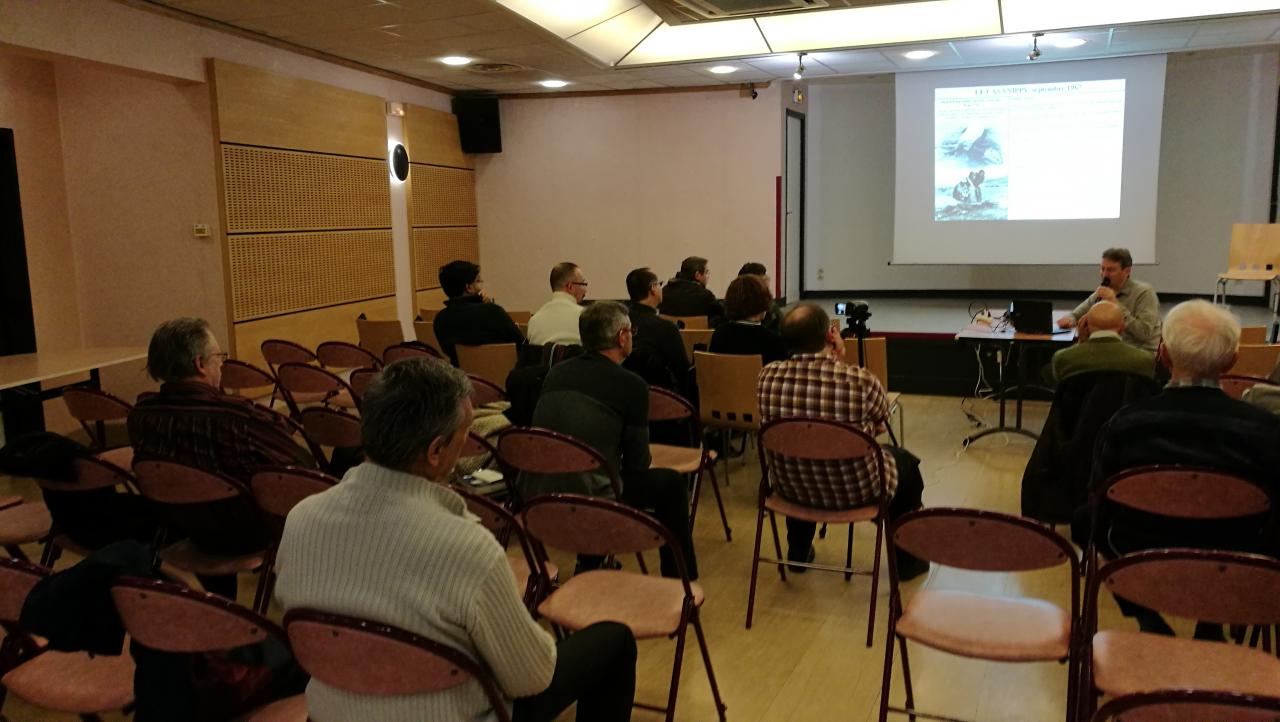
(1035, 46)
(799, 74)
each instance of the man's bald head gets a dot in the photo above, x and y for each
(1106, 316)
(804, 328)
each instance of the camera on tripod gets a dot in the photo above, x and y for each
(856, 314)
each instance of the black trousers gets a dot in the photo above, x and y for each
(906, 498)
(664, 494)
(596, 668)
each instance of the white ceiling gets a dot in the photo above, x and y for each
(409, 36)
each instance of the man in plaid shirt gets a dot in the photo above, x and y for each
(816, 382)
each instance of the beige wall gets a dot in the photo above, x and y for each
(617, 182)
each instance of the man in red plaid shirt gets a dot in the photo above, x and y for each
(816, 382)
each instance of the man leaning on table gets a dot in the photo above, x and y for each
(1137, 300)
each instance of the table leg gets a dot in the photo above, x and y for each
(99, 427)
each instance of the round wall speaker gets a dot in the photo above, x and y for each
(399, 162)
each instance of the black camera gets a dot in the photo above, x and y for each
(856, 314)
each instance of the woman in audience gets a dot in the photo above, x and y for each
(745, 304)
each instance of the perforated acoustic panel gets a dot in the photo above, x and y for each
(280, 273)
(280, 190)
(443, 196)
(434, 247)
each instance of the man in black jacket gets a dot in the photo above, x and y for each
(687, 294)
(470, 317)
(657, 353)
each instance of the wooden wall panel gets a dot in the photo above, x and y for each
(280, 190)
(442, 196)
(279, 273)
(309, 328)
(434, 247)
(258, 107)
(431, 136)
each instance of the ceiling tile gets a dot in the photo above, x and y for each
(857, 61)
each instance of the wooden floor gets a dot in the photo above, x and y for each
(805, 659)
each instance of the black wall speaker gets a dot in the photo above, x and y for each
(399, 162)
(479, 126)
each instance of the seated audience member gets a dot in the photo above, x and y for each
(592, 398)
(1100, 347)
(657, 353)
(469, 316)
(816, 382)
(745, 305)
(774, 315)
(1191, 422)
(1137, 300)
(686, 294)
(192, 422)
(557, 320)
(392, 545)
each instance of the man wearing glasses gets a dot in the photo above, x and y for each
(658, 355)
(557, 320)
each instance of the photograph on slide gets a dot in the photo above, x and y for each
(969, 171)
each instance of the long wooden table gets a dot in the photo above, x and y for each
(21, 374)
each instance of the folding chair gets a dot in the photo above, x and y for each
(530, 565)
(277, 491)
(70, 682)
(1253, 255)
(877, 362)
(787, 443)
(1236, 386)
(979, 626)
(359, 382)
(491, 362)
(410, 349)
(26, 523)
(239, 377)
(651, 606)
(169, 617)
(340, 356)
(485, 392)
(277, 352)
(694, 459)
(92, 408)
(1189, 705)
(361, 656)
(332, 428)
(1211, 586)
(91, 474)
(303, 384)
(727, 394)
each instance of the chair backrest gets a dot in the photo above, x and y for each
(477, 445)
(240, 375)
(169, 617)
(594, 526)
(877, 361)
(667, 405)
(689, 322)
(87, 404)
(792, 445)
(542, 451)
(409, 349)
(359, 381)
(365, 657)
(376, 336)
(1236, 386)
(520, 316)
(984, 541)
(296, 378)
(342, 355)
(693, 337)
(491, 362)
(276, 351)
(1186, 492)
(484, 391)
(1254, 246)
(331, 427)
(278, 490)
(425, 332)
(1253, 334)
(17, 577)
(168, 483)
(91, 473)
(1211, 586)
(727, 385)
(1189, 705)
(1256, 360)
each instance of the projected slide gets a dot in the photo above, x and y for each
(1039, 151)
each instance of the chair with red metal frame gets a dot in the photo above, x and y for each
(91, 474)
(1235, 386)
(277, 352)
(1189, 705)
(303, 384)
(26, 523)
(71, 682)
(979, 626)
(817, 440)
(411, 349)
(93, 408)
(1210, 586)
(361, 656)
(651, 607)
(277, 490)
(340, 356)
(169, 617)
(695, 459)
(531, 563)
(359, 382)
(241, 376)
(485, 392)
(476, 445)
(331, 428)
(170, 486)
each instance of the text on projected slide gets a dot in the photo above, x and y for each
(1042, 151)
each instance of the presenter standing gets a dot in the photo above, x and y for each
(1138, 300)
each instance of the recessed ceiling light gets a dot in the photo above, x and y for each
(1068, 42)
(919, 54)
(722, 69)
(455, 60)
(552, 83)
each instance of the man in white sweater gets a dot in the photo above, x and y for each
(391, 545)
(557, 320)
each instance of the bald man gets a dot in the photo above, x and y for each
(1101, 347)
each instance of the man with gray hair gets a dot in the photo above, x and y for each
(1191, 422)
(392, 544)
(593, 399)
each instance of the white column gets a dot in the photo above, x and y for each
(405, 301)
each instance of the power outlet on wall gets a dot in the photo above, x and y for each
(200, 230)
(820, 272)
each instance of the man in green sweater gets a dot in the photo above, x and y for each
(1101, 348)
